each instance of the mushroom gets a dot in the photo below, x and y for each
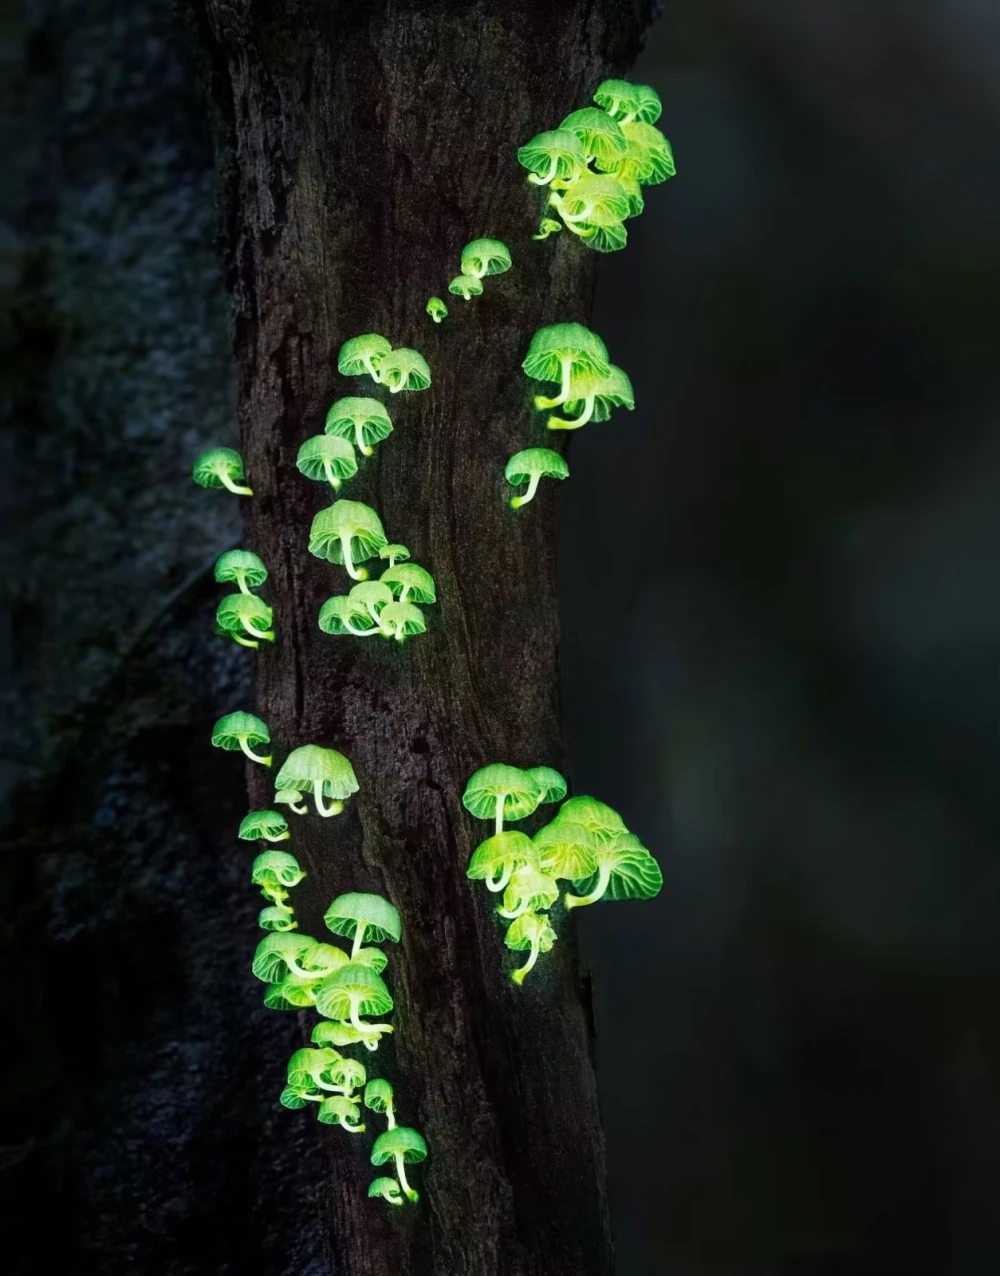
(333, 1033)
(627, 102)
(348, 1075)
(269, 825)
(362, 355)
(409, 582)
(566, 850)
(347, 532)
(625, 870)
(547, 226)
(648, 158)
(602, 820)
(290, 798)
(324, 773)
(327, 458)
(277, 917)
(405, 1147)
(596, 199)
(372, 595)
(237, 614)
(437, 309)
(532, 931)
(240, 567)
(275, 871)
(337, 1110)
(484, 257)
(562, 351)
(531, 466)
(600, 136)
(401, 619)
(354, 990)
(338, 614)
(595, 397)
(378, 1097)
(394, 553)
(310, 1070)
(529, 889)
(239, 731)
(494, 860)
(465, 286)
(278, 956)
(557, 153)
(364, 420)
(405, 369)
(290, 993)
(500, 792)
(551, 783)
(388, 1189)
(358, 916)
(220, 467)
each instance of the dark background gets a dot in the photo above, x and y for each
(780, 638)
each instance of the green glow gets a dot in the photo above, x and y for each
(403, 619)
(484, 257)
(340, 1111)
(528, 889)
(405, 369)
(349, 1075)
(240, 731)
(437, 309)
(335, 1033)
(220, 467)
(388, 1189)
(566, 850)
(290, 798)
(600, 136)
(595, 199)
(352, 991)
(633, 192)
(239, 614)
(627, 102)
(531, 466)
(648, 158)
(290, 993)
(269, 825)
(240, 567)
(548, 226)
(602, 239)
(465, 286)
(555, 154)
(276, 869)
(563, 351)
(359, 917)
(278, 956)
(394, 553)
(602, 821)
(549, 781)
(327, 458)
(494, 860)
(625, 870)
(364, 422)
(343, 614)
(309, 1070)
(403, 1146)
(594, 398)
(378, 1097)
(363, 355)
(276, 917)
(410, 583)
(347, 532)
(529, 931)
(324, 773)
(500, 792)
(373, 957)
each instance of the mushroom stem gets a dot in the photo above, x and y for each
(276, 894)
(331, 477)
(401, 1175)
(355, 573)
(533, 482)
(281, 837)
(367, 1030)
(241, 580)
(359, 437)
(233, 487)
(628, 118)
(245, 642)
(521, 908)
(520, 974)
(537, 180)
(558, 423)
(299, 808)
(548, 227)
(366, 360)
(266, 634)
(253, 756)
(496, 884)
(390, 1117)
(359, 939)
(334, 808)
(578, 901)
(501, 799)
(353, 1129)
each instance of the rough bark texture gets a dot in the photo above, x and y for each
(368, 144)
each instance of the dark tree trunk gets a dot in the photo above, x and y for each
(363, 146)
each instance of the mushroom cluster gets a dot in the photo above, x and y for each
(576, 359)
(596, 163)
(480, 258)
(244, 616)
(387, 606)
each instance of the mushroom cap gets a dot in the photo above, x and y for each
(466, 286)
(235, 608)
(335, 1033)
(633, 191)
(231, 728)
(308, 1066)
(348, 1073)
(603, 239)
(373, 957)
(357, 982)
(290, 1097)
(338, 611)
(529, 885)
(549, 346)
(612, 391)
(346, 518)
(350, 412)
(338, 1110)
(331, 449)
(398, 552)
(276, 868)
(560, 144)
(378, 1095)
(410, 576)
(485, 257)
(648, 156)
(270, 961)
(369, 345)
(617, 97)
(519, 791)
(323, 959)
(598, 197)
(435, 306)
(288, 797)
(387, 1188)
(405, 369)
(411, 618)
(509, 849)
(401, 1141)
(600, 136)
(566, 850)
(548, 779)
(278, 919)
(634, 872)
(371, 593)
(290, 993)
(650, 106)
(535, 460)
(258, 824)
(527, 928)
(312, 769)
(216, 461)
(236, 562)
(603, 821)
(382, 920)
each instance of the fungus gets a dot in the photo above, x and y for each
(351, 991)
(336, 1110)
(362, 355)
(291, 798)
(327, 458)
(594, 398)
(548, 226)
(555, 154)
(551, 783)
(240, 731)
(394, 553)
(347, 532)
(324, 773)
(405, 1147)
(465, 286)
(601, 820)
(561, 352)
(531, 466)
(276, 917)
(402, 619)
(484, 257)
(566, 850)
(339, 614)
(278, 956)
(532, 931)
(600, 136)
(649, 157)
(290, 993)
(364, 420)
(378, 1097)
(495, 860)
(269, 825)
(372, 596)
(238, 614)
(220, 467)
(309, 1070)
(242, 568)
(437, 309)
(348, 1075)
(602, 239)
(276, 870)
(409, 582)
(627, 102)
(500, 792)
(528, 889)
(405, 370)
(358, 916)
(333, 1033)
(596, 199)
(388, 1189)
(625, 870)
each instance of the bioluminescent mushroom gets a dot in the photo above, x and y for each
(531, 466)
(555, 154)
(292, 799)
(400, 620)
(595, 398)
(362, 355)
(602, 820)
(566, 850)
(220, 467)
(373, 957)
(365, 421)
(290, 993)
(310, 1069)
(378, 1097)
(290, 1097)
(372, 595)
(343, 614)
(359, 917)
(465, 286)
(600, 136)
(627, 102)
(387, 1188)
(394, 553)
(278, 956)
(336, 1110)
(596, 199)
(437, 309)
(241, 568)
(276, 917)
(546, 227)
(347, 532)
(405, 369)
(484, 257)
(269, 825)
(331, 1032)
(409, 583)
(276, 870)
(528, 890)
(531, 931)
(625, 870)
(239, 614)
(633, 193)
(240, 731)
(327, 458)
(403, 1146)
(352, 991)
(649, 157)
(324, 773)
(561, 352)
(349, 1075)
(602, 239)
(500, 792)
(496, 859)
(549, 781)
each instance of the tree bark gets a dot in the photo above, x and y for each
(363, 146)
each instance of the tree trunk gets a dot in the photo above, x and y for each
(363, 147)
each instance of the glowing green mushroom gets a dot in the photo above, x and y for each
(363, 355)
(388, 1189)
(561, 352)
(275, 871)
(603, 821)
(279, 956)
(349, 1075)
(549, 781)
(484, 257)
(324, 773)
(365, 421)
(595, 398)
(555, 154)
(625, 870)
(566, 850)
(327, 458)
(220, 467)
(290, 798)
(242, 568)
(372, 595)
(269, 825)
(334, 1033)
(378, 1097)
(600, 136)
(528, 889)
(548, 226)
(394, 553)
(240, 731)
(309, 1070)
(465, 286)
(405, 369)
(403, 1146)
(359, 917)
(276, 917)
(402, 619)
(596, 199)
(239, 614)
(531, 466)
(496, 859)
(347, 532)
(290, 993)
(336, 1110)
(500, 792)
(437, 309)
(409, 582)
(649, 157)
(343, 614)
(352, 991)
(602, 239)
(628, 102)
(529, 931)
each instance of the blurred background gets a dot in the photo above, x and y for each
(780, 659)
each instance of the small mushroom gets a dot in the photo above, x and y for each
(561, 351)
(359, 917)
(347, 532)
(600, 136)
(394, 553)
(324, 773)
(378, 1097)
(465, 286)
(405, 369)
(365, 421)
(336, 1110)
(239, 614)
(625, 870)
(410, 583)
(495, 860)
(557, 153)
(437, 309)
(531, 931)
(363, 355)
(240, 731)
(501, 792)
(403, 1146)
(327, 458)
(484, 257)
(352, 991)
(402, 619)
(387, 1188)
(220, 467)
(241, 568)
(269, 825)
(531, 466)
(595, 397)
